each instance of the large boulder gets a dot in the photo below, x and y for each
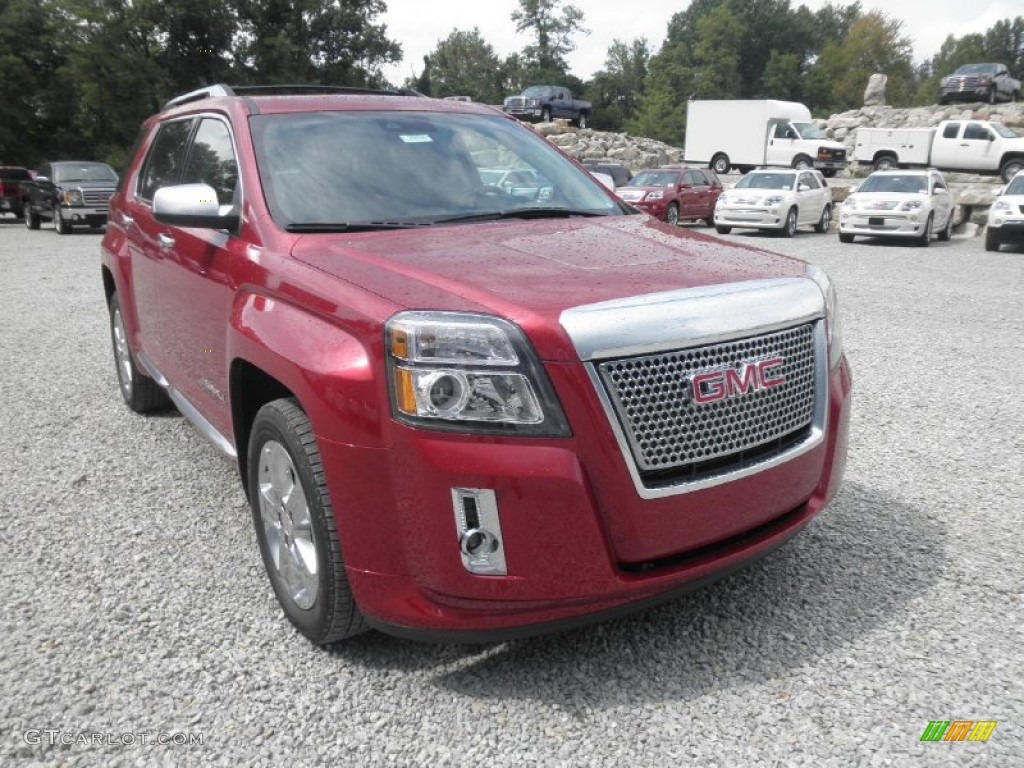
(874, 94)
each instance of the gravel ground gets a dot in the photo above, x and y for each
(136, 603)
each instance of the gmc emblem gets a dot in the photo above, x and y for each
(750, 377)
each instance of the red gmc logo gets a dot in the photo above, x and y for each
(749, 377)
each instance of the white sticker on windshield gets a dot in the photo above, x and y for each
(416, 138)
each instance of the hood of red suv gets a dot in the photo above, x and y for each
(531, 271)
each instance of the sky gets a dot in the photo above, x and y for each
(419, 24)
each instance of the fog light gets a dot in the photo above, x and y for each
(479, 531)
(998, 223)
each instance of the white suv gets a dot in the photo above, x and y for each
(782, 200)
(1006, 216)
(913, 204)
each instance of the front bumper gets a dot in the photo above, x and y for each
(656, 208)
(830, 165)
(1006, 229)
(972, 93)
(758, 217)
(76, 214)
(400, 544)
(523, 111)
(883, 223)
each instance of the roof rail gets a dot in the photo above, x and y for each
(221, 90)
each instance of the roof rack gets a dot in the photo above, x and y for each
(221, 90)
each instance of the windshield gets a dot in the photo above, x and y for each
(537, 91)
(394, 169)
(809, 131)
(1003, 131)
(68, 172)
(1015, 187)
(767, 181)
(976, 69)
(655, 179)
(895, 183)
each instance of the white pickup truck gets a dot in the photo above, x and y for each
(976, 146)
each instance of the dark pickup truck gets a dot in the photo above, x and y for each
(71, 193)
(544, 102)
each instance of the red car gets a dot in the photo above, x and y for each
(459, 412)
(675, 194)
(12, 181)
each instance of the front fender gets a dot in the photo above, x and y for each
(336, 375)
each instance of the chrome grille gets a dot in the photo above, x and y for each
(668, 430)
(515, 101)
(97, 198)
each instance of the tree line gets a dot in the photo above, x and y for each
(77, 77)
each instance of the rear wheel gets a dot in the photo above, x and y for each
(885, 163)
(672, 214)
(1011, 168)
(295, 525)
(720, 163)
(925, 238)
(789, 227)
(991, 241)
(139, 391)
(825, 221)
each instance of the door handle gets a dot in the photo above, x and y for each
(166, 241)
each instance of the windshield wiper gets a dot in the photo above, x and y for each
(341, 226)
(519, 213)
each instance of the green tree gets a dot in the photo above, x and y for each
(313, 41)
(616, 90)
(718, 57)
(465, 64)
(553, 27)
(197, 41)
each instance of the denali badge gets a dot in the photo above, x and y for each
(712, 386)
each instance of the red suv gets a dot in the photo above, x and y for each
(459, 411)
(675, 194)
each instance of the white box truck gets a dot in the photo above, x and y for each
(978, 146)
(747, 134)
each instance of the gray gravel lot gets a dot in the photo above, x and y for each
(135, 603)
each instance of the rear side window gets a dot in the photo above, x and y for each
(166, 158)
(212, 160)
(951, 130)
(14, 174)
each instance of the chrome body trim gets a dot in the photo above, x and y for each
(189, 411)
(659, 322)
(491, 561)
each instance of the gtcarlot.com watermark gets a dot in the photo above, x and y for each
(52, 738)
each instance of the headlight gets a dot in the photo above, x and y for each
(468, 373)
(850, 203)
(833, 328)
(1001, 205)
(655, 195)
(911, 205)
(73, 197)
(773, 199)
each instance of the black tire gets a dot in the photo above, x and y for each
(825, 221)
(925, 238)
(992, 95)
(828, 173)
(283, 457)
(885, 162)
(991, 241)
(744, 169)
(947, 231)
(672, 214)
(789, 226)
(720, 163)
(1011, 168)
(722, 230)
(545, 115)
(60, 225)
(845, 237)
(139, 391)
(1015, 97)
(31, 218)
(581, 121)
(802, 163)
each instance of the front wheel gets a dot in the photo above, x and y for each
(789, 227)
(545, 115)
(139, 391)
(722, 230)
(992, 95)
(720, 163)
(672, 214)
(947, 231)
(802, 162)
(991, 241)
(925, 238)
(581, 121)
(295, 525)
(825, 221)
(31, 218)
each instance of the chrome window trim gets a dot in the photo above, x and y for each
(690, 317)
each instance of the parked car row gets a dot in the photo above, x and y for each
(69, 193)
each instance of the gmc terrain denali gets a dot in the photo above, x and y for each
(460, 412)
